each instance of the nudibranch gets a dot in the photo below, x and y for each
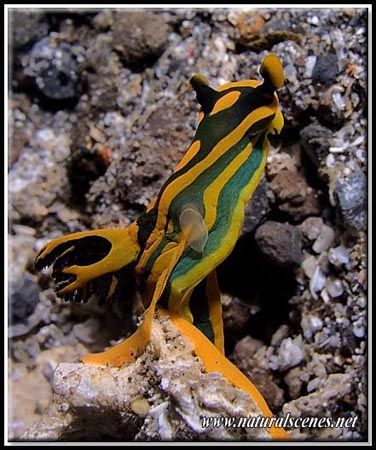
(174, 247)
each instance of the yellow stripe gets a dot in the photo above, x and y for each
(225, 102)
(245, 83)
(213, 191)
(189, 154)
(220, 149)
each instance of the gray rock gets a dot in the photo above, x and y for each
(350, 194)
(257, 209)
(24, 299)
(53, 69)
(315, 140)
(325, 70)
(139, 36)
(280, 242)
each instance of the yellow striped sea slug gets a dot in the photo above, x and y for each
(174, 247)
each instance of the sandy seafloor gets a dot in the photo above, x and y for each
(100, 112)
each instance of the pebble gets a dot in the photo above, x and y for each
(359, 329)
(291, 352)
(310, 64)
(139, 36)
(325, 70)
(351, 194)
(23, 299)
(315, 140)
(339, 256)
(280, 243)
(311, 227)
(315, 384)
(310, 324)
(309, 266)
(317, 282)
(324, 240)
(281, 334)
(141, 407)
(54, 70)
(334, 287)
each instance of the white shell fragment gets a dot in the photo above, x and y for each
(317, 282)
(339, 255)
(324, 240)
(334, 287)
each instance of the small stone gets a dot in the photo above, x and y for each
(317, 282)
(141, 407)
(235, 317)
(281, 334)
(324, 239)
(310, 64)
(309, 266)
(351, 194)
(280, 243)
(257, 208)
(339, 256)
(362, 277)
(246, 348)
(315, 140)
(334, 287)
(294, 196)
(310, 324)
(139, 36)
(24, 298)
(291, 352)
(325, 70)
(294, 380)
(23, 229)
(359, 329)
(311, 227)
(53, 68)
(314, 384)
(103, 20)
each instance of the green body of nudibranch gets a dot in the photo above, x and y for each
(192, 225)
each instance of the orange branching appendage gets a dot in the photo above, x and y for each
(174, 247)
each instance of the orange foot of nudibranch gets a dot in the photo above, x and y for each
(123, 353)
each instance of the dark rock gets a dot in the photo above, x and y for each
(294, 196)
(351, 194)
(27, 27)
(325, 70)
(315, 140)
(281, 243)
(236, 315)
(23, 299)
(53, 69)
(268, 388)
(139, 36)
(257, 208)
